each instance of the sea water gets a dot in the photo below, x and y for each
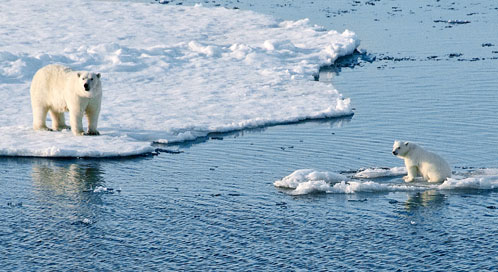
(211, 204)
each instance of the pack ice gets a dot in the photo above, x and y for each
(169, 73)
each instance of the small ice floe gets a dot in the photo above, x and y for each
(102, 189)
(84, 222)
(309, 181)
(305, 181)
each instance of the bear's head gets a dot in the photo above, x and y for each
(400, 149)
(89, 84)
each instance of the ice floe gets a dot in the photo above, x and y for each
(307, 181)
(170, 73)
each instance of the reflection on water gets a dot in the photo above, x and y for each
(65, 190)
(66, 179)
(430, 199)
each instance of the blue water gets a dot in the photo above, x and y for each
(213, 206)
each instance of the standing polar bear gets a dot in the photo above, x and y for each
(430, 166)
(58, 89)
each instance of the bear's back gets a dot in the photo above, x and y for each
(49, 85)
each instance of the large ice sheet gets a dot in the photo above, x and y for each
(170, 73)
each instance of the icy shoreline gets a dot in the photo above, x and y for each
(170, 74)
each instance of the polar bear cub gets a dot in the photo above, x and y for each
(57, 89)
(419, 161)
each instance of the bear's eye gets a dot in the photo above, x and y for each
(399, 147)
(91, 79)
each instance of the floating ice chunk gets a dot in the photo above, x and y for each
(298, 177)
(307, 181)
(100, 189)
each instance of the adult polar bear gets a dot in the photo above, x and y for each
(430, 166)
(58, 89)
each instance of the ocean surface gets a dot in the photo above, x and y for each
(426, 71)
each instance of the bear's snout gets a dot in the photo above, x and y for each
(395, 153)
(87, 88)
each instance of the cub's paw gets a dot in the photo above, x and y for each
(407, 179)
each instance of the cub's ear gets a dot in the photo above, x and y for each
(406, 143)
(79, 74)
(98, 75)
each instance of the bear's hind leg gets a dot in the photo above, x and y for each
(434, 177)
(39, 118)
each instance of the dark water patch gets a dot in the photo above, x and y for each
(357, 59)
(168, 151)
(453, 22)
(358, 200)
(14, 204)
(454, 55)
(435, 58)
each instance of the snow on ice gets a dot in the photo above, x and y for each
(169, 73)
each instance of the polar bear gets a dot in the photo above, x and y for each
(58, 89)
(430, 166)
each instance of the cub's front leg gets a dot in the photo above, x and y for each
(412, 173)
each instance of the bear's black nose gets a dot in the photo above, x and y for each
(86, 86)
(394, 153)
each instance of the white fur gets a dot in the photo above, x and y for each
(58, 89)
(419, 161)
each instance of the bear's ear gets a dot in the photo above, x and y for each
(406, 143)
(98, 75)
(79, 74)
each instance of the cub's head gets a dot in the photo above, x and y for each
(89, 83)
(401, 148)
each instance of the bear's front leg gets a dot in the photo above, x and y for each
(92, 113)
(76, 121)
(408, 179)
(412, 173)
